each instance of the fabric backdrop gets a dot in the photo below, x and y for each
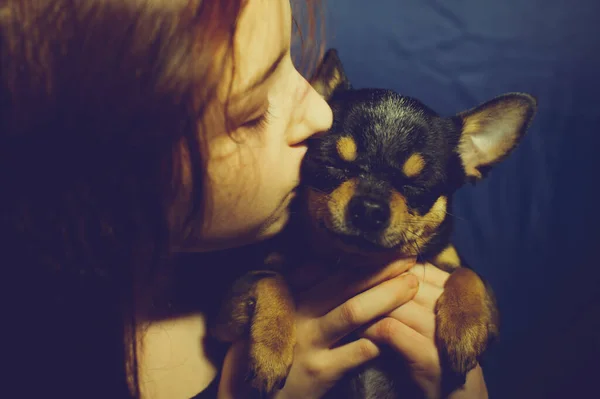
(531, 228)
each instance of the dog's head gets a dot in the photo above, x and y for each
(382, 178)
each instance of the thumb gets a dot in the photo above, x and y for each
(232, 384)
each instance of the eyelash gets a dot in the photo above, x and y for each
(260, 122)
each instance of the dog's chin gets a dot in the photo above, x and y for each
(354, 242)
(359, 243)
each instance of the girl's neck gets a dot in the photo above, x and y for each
(177, 357)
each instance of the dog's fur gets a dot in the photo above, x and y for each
(377, 187)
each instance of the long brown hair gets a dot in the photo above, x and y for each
(95, 99)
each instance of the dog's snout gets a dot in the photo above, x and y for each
(368, 214)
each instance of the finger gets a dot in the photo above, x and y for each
(233, 373)
(417, 317)
(366, 307)
(414, 347)
(430, 274)
(349, 356)
(320, 299)
(427, 295)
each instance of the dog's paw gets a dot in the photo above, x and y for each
(465, 322)
(461, 340)
(272, 336)
(268, 369)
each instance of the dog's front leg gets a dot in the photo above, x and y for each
(466, 317)
(260, 307)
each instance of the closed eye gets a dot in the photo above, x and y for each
(258, 123)
(346, 169)
(336, 171)
(413, 190)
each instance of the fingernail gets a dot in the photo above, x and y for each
(412, 281)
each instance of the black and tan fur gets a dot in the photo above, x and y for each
(378, 186)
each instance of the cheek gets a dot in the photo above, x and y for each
(233, 177)
(249, 180)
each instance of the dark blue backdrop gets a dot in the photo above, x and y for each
(532, 227)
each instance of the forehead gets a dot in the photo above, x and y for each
(246, 68)
(263, 32)
(384, 124)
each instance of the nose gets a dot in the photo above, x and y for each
(368, 214)
(313, 114)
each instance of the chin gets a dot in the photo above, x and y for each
(270, 227)
(275, 226)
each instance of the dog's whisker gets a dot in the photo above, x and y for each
(456, 216)
(318, 190)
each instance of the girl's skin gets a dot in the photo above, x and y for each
(251, 176)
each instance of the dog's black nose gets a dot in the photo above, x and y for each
(368, 214)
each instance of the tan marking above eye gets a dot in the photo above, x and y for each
(346, 148)
(414, 165)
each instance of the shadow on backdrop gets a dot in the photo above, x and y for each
(531, 228)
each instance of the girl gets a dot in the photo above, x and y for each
(133, 131)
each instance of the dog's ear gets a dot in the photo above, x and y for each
(330, 75)
(492, 130)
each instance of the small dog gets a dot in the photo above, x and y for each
(378, 187)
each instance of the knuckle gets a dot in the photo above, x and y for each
(387, 329)
(350, 313)
(315, 367)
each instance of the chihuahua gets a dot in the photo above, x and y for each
(377, 187)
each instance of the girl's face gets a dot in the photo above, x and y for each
(252, 172)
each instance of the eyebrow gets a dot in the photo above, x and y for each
(265, 75)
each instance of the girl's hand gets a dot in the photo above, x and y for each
(324, 317)
(410, 329)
